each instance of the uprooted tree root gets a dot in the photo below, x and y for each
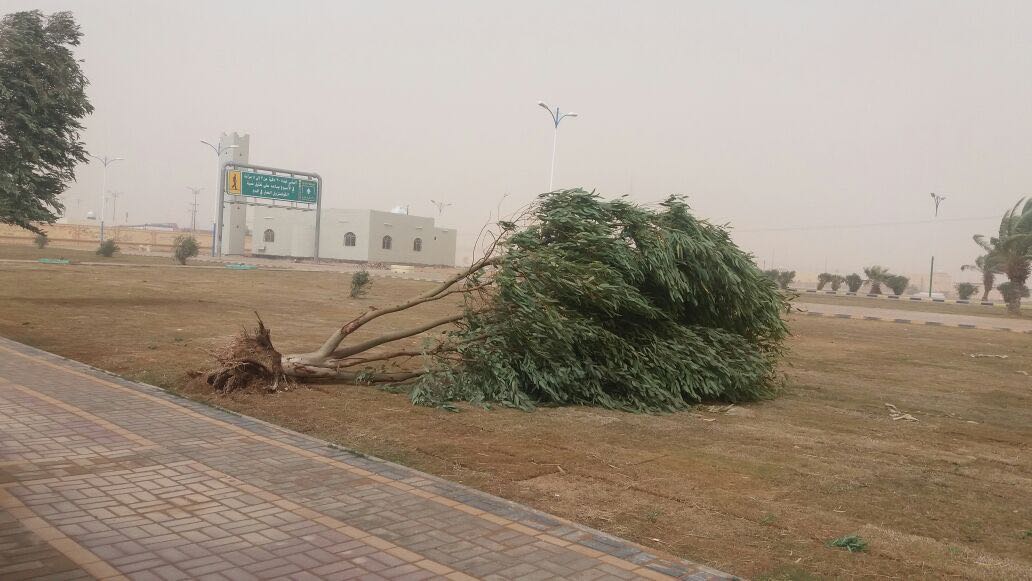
(248, 362)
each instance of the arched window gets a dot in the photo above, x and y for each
(349, 239)
(269, 236)
(417, 245)
(386, 242)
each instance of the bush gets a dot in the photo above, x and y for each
(966, 290)
(782, 278)
(898, 283)
(184, 247)
(108, 248)
(836, 282)
(854, 282)
(41, 241)
(360, 283)
(823, 279)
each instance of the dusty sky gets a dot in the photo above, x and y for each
(814, 128)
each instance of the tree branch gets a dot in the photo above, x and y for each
(387, 338)
(439, 292)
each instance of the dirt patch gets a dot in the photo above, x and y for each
(756, 490)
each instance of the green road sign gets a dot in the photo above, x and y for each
(273, 187)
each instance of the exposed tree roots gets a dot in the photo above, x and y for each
(248, 362)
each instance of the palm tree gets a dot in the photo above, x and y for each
(876, 275)
(1012, 252)
(986, 264)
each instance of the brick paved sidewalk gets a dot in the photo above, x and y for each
(105, 478)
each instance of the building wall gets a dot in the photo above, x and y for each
(295, 236)
(337, 223)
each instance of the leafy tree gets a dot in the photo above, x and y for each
(987, 264)
(853, 282)
(108, 248)
(877, 275)
(41, 240)
(183, 247)
(898, 283)
(579, 301)
(782, 278)
(1011, 252)
(360, 283)
(965, 290)
(836, 282)
(823, 279)
(42, 100)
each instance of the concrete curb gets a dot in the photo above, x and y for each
(897, 297)
(911, 322)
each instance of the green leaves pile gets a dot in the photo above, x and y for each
(613, 304)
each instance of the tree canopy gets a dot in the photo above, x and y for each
(613, 304)
(42, 100)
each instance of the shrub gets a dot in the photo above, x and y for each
(782, 278)
(966, 290)
(41, 241)
(898, 283)
(108, 248)
(1012, 294)
(836, 281)
(852, 543)
(823, 279)
(360, 283)
(853, 282)
(785, 278)
(184, 247)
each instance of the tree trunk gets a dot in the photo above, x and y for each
(988, 279)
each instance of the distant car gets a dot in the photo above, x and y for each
(924, 295)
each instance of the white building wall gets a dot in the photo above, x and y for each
(294, 235)
(337, 223)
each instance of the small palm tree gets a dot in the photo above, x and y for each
(853, 282)
(876, 275)
(1012, 252)
(987, 264)
(823, 279)
(836, 281)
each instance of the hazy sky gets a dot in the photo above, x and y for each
(772, 116)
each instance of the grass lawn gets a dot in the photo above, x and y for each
(757, 490)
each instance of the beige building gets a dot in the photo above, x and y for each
(352, 235)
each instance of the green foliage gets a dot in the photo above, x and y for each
(988, 264)
(876, 275)
(823, 279)
(853, 282)
(1010, 252)
(361, 282)
(42, 100)
(613, 304)
(965, 290)
(898, 283)
(41, 240)
(108, 248)
(852, 543)
(782, 278)
(836, 281)
(183, 247)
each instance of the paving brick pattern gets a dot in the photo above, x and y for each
(109, 479)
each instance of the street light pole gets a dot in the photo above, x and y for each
(218, 201)
(557, 118)
(106, 161)
(931, 274)
(114, 207)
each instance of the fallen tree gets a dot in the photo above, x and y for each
(579, 301)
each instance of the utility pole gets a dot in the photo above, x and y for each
(193, 207)
(931, 274)
(114, 207)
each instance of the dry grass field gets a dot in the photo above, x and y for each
(755, 490)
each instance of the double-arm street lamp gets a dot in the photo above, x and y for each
(557, 118)
(214, 217)
(106, 161)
